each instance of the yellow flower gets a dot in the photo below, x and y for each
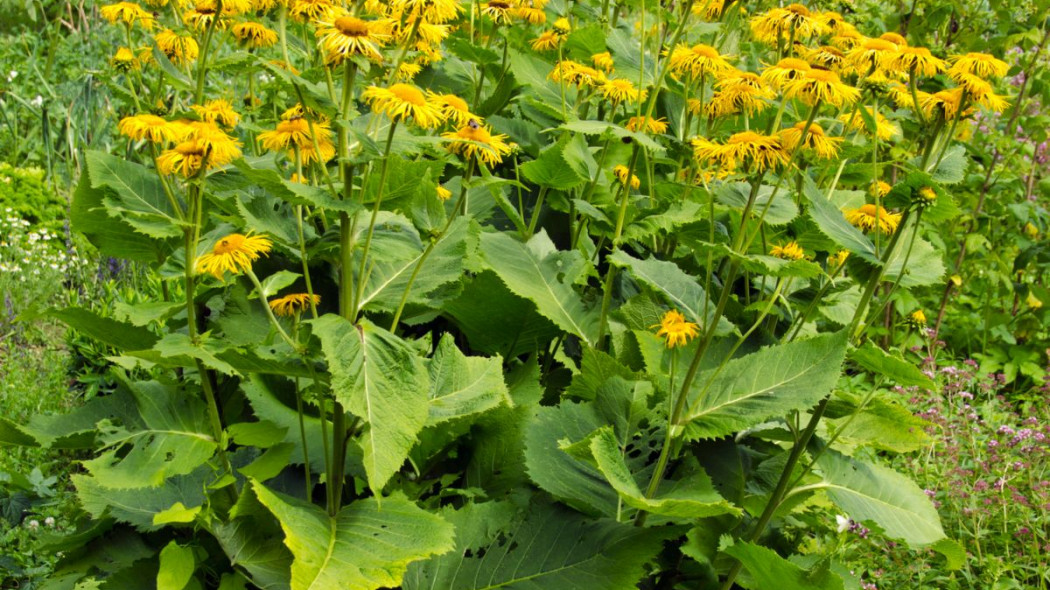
(879, 189)
(824, 146)
(697, 60)
(151, 127)
(838, 259)
(475, 140)
(826, 57)
(885, 129)
(945, 103)
(917, 59)
(869, 217)
(1033, 301)
(344, 37)
(294, 304)
(740, 92)
(180, 49)
(204, 12)
(621, 172)
(620, 90)
(784, 71)
(927, 194)
(218, 111)
(531, 14)
(434, 11)
(547, 41)
(978, 64)
(562, 26)
(755, 151)
(709, 9)
(575, 73)
(453, 108)
(293, 134)
(675, 330)
(822, 86)
(917, 318)
(789, 251)
(603, 61)
(312, 10)
(124, 60)
(255, 35)
(793, 20)
(401, 101)
(234, 253)
(1031, 230)
(981, 92)
(406, 72)
(129, 13)
(870, 55)
(443, 194)
(205, 146)
(648, 125)
(500, 12)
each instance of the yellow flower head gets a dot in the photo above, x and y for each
(822, 86)
(403, 101)
(151, 127)
(675, 330)
(475, 140)
(548, 41)
(295, 134)
(789, 251)
(312, 10)
(234, 253)
(562, 25)
(981, 92)
(709, 10)
(755, 151)
(204, 12)
(453, 108)
(917, 59)
(1033, 301)
(406, 72)
(837, 259)
(575, 73)
(885, 129)
(294, 304)
(501, 13)
(879, 189)
(603, 61)
(826, 56)
(647, 125)
(434, 11)
(124, 60)
(697, 60)
(619, 90)
(784, 71)
(945, 103)
(218, 111)
(255, 35)
(871, 54)
(816, 140)
(871, 217)
(443, 194)
(343, 37)
(978, 64)
(780, 23)
(180, 49)
(531, 14)
(917, 318)
(621, 173)
(203, 146)
(128, 13)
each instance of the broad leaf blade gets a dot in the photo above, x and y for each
(461, 385)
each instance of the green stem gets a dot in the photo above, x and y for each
(384, 168)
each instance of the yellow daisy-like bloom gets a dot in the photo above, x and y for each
(128, 13)
(1033, 301)
(917, 318)
(823, 86)
(894, 38)
(474, 140)
(709, 10)
(834, 22)
(885, 129)
(871, 217)
(927, 194)
(981, 92)
(847, 38)
(312, 10)
(406, 72)
(647, 124)
(562, 26)
(780, 23)
(204, 13)
(918, 60)
(204, 146)
(294, 304)
(789, 251)
(978, 64)
(621, 172)
(547, 41)
(151, 127)
(345, 36)
(826, 56)
(620, 90)
(732, 101)
(180, 49)
(575, 73)
(531, 15)
(945, 103)
(454, 108)
(234, 253)
(784, 71)
(402, 101)
(124, 60)
(254, 35)
(675, 330)
(443, 194)
(697, 60)
(292, 134)
(837, 259)
(755, 151)
(434, 11)
(603, 61)
(501, 13)
(871, 54)
(816, 140)
(218, 111)
(901, 95)
(878, 188)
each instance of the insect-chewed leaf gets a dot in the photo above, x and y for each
(762, 385)
(364, 547)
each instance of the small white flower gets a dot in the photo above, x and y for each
(12, 75)
(38, 101)
(34, 525)
(843, 522)
(50, 521)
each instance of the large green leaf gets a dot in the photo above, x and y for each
(174, 439)
(382, 380)
(833, 224)
(107, 331)
(537, 271)
(364, 547)
(262, 395)
(176, 567)
(139, 507)
(777, 211)
(769, 571)
(138, 196)
(769, 383)
(252, 540)
(865, 491)
(551, 548)
(112, 237)
(881, 424)
(690, 498)
(462, 385)
(889, 366)
(552, 170)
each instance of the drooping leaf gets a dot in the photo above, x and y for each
(462, 385)
(769, 571)
(139, 507)
(108, 331)
(779, 210)
(364, 547)
(833, 224)
(176, 567)
(137, 195)
(771, 382)
(378, 377)
(537, 271)
(113, 237)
